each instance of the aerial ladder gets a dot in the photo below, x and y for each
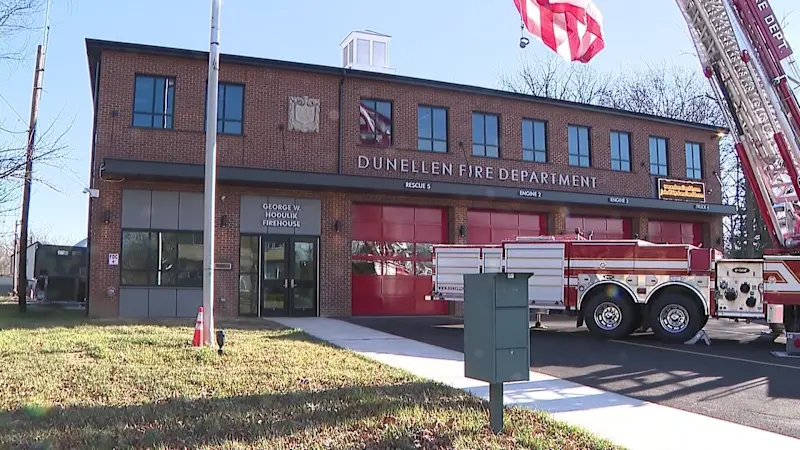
(745, 56)
(749, 63)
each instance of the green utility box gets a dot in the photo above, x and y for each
(496, 327)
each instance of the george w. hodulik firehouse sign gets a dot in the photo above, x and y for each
(472, 171)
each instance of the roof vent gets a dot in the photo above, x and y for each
(366, 50)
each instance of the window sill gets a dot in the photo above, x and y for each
(140, 127)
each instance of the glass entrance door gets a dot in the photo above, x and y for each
(274, 279)
(303, 277)
(286, 273)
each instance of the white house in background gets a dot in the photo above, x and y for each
(366, 50)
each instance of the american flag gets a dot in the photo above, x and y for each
(572, 28)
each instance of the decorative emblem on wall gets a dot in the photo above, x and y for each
(304, 114)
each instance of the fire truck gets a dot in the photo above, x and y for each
(616, 287)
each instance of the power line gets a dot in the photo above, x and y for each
(12, 108)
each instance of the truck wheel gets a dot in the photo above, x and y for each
(675, 318)
(610, 317)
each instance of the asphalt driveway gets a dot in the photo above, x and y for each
(735, 379)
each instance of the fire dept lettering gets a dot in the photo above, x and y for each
(777, 38)
(281, 215)
(470, 171)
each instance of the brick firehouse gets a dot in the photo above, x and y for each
(334, 182)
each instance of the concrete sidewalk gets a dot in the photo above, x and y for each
(632, 423)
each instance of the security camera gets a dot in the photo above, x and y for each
(523, 42)
(93, 193)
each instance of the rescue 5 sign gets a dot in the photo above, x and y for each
(687, 191)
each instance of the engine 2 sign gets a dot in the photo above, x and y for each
(681, 190)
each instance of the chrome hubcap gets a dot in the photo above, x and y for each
(607, 316)
(674, 318)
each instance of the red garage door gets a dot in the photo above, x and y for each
(603, 227)
(668, 232)
(391, 259)
(491, 227)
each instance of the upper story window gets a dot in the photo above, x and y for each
(534, 140)
(658, 156)
(230, 109)
(579, 151)
(694, 161)
(620, 151)
(431, 129)
(153, 101)
(485, 135)
(376, 122)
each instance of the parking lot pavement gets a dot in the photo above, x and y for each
(734, 379)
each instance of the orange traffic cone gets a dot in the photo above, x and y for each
(197, 341)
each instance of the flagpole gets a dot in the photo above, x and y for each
(210, 177)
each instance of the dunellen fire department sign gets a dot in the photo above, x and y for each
(473, 171)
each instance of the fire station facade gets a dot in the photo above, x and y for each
(333, 184)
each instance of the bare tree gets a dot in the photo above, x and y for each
(18, 18)
(665, 90)
(549, 76)
(19, 22)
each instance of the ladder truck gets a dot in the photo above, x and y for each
(616, 287)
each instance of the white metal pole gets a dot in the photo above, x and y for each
(211, 177)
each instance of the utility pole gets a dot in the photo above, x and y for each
(22, 278)
(209, 227)
(14, 256)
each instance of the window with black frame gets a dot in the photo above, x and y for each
(161, 258)
(153, 101)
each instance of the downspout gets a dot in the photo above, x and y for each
(96, 88)
(340, 144)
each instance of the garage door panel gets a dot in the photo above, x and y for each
(367, 231)
(366, 294)
(429, 215)
(429, 234)
(398, 268)
(479, 219)
(483, 235)
(398, 232)
(505, 220)
(530, 222)
(398, 214)
(366, 213)
(596, 225)
(397, 286)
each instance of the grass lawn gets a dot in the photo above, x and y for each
(69, 382)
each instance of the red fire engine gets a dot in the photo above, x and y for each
(618, 286)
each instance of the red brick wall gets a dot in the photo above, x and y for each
(266, 142)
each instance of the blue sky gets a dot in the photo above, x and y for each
(465, 41)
